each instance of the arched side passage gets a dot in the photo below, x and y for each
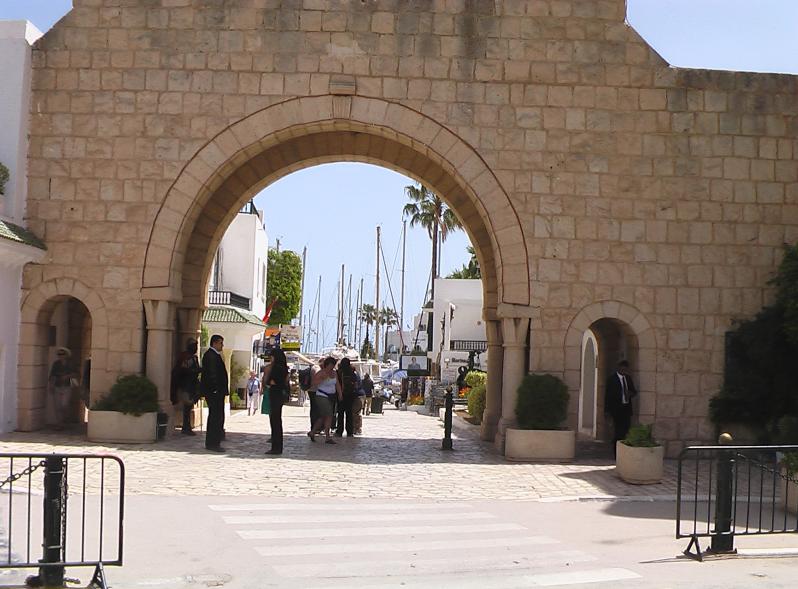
(305, 131)
(36, 309)
(645, 355)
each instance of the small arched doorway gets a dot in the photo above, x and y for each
(588, 390)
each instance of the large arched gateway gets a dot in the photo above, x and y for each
(604, 191)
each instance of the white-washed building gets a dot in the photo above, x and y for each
(237, 288)
(18, 245)
(457, 326)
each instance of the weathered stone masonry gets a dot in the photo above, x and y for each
(594, 180)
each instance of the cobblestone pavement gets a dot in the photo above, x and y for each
(398, 455)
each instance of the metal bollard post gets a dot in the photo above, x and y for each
(447, 420)
(723, 535)
(52, 576)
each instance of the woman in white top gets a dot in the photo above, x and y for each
(324, 382)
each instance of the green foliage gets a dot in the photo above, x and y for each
(237, 372)
(640, 436)
(476, 396)
(790, 463)
(204, 336)
(4, 176)
(284, 283)
(471, 270)
(542, 402)
(133, 394)
(235, 400)
(366, 350)
(761, 371)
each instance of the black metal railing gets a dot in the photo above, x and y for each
(225, 297)
(77, 500)
(727, 491)
(468, 345)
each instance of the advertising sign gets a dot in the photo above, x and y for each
(290, 337)
(415, 364)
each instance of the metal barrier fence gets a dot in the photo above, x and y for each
(727, 491)
(78, 503)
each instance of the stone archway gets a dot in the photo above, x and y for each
(273, 142)
(643, 356)
(37, 309)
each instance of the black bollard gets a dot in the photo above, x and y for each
(52, 576)
(723, 535)
(447, 420)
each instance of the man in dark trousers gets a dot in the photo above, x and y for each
(215, 387)
(618, 397)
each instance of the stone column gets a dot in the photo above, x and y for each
(514, 336)
(160, 337)
(493, 398)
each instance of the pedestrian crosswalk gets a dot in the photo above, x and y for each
(381, 545)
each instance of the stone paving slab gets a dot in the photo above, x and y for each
(398, 456)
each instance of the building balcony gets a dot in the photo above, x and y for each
(468, 345)
(225, 297)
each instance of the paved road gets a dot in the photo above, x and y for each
(391, 510)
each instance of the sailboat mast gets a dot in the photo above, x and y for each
(377, 302)
(302, 287)
(349, 307)
(341, 308)
(318, 316)
(402, 295)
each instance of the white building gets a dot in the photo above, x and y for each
(17, 245)
(409, 339)
(237, 288)
(457, 326)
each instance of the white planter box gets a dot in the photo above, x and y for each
(788, 501)
(417, 408)
(639, 466)
(121, 428)
(533, 444)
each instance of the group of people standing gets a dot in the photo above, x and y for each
(337, 394)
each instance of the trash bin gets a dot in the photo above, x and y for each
(161, 424)
(376, 404)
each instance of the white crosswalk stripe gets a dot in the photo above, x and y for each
(426, 546)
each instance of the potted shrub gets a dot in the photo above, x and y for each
(639, 457)
(127, 414)
(477, 381)
(541, 408)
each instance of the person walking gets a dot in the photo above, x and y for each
(368, 390)
(278, 392)
(347, 394)
(618, 395)
(215, 387)
(59, 385)
(324, 383)
(185, 375)
(357, 404)
(253, 394)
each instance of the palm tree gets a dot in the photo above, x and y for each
(389, 318)
(469, 270)
(428, 210)
(368, 314)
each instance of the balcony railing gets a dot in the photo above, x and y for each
(468, 345)
(225, 297)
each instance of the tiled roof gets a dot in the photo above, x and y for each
(19, 235)
(230, 315)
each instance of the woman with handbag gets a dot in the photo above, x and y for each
(278, 392)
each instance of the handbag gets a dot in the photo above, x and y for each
(264, 404)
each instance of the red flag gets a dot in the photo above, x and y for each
(269, 311)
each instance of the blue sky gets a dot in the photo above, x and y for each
(334, 209)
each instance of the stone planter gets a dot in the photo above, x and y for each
(121, 428)
(788, 494)
(533, 444)
(639, 466)
(421, 409)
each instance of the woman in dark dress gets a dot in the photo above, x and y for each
(278, 389)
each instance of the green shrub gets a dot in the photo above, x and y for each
(542, 402)
(3, 178)
(640, 436)
(790, 463)
(235, 400)
(133, 394)
(476, 402)
(476, 378)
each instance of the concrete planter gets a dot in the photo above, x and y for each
(639, 466)
(533, 444)
(788, 494)
(121, 428)
(418, 409)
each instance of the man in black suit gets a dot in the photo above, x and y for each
(618, 397)
(215, 388)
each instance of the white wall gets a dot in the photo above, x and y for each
(16, 37)
(466, 321)
(244, 251)
(15, 72)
